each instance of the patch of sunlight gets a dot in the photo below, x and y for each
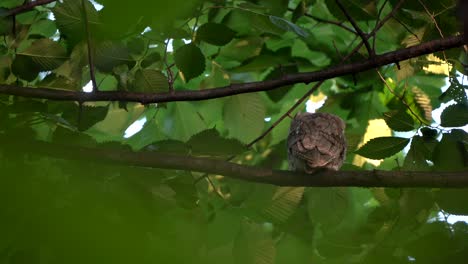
(135, 127)
(449, 218)
(97, 5)
(315, 102)
(437, 66)
(170, 47)
(376, 128)
(88, 87)
(147, 29)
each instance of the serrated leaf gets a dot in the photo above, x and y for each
(209, 142)
(150, 80)
(253, 245)
(382, 147)
(215, 34)
(450, 153)
(399, 120)
(420, 102)
(288, 26)
(85, 116)
(190, 61)
(455, 115)
(110, 54)
(68, 16)
(417, 155)
(284, 203)
(46, 54)
(183, 121)
(244, 116)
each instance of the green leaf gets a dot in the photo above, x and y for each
(46, 54)
(11, 3)
(450, 153)
(284, 203)
(455, 115)
(382, 147)
(288, 26)
(419, 152)
(299, 11)
(253, 244)
(244, 116)
(183, 121)
(150, 59)
(85, 116)
(68, 16)
(44, 27)
(190, 61)
(150, 80)
(399, 120)
(110, 54)
(209, 142)
(215, 34)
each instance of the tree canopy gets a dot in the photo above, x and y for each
(214, 85)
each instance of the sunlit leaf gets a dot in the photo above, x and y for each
(149, 80)
(243, 116)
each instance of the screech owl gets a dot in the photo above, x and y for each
(316, 140)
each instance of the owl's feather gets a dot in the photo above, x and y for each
(316, 140)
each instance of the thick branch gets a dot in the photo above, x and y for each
(28, 6)
(196, 95)
(323, 178)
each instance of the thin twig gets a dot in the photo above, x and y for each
(326, 21)
(401, 98)
(89, 44)
(407, 28)
(170, 75)
(363, 36)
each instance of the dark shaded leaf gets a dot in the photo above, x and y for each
(450, 154)
(215, 34)
(110, 54)
(190, 61)
(209, 142)
(455, 115)
(399, 120)
(382, 147)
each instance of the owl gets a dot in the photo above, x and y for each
(316, 140)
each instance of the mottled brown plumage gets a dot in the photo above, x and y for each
(316, 140)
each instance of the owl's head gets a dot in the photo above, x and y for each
(307, 117)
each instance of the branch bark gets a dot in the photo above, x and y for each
(322, 178)
(233, 89)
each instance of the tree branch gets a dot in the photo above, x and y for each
(322, 178)
(28, 6)
(233, 89)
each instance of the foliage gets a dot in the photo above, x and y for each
(69, 211)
